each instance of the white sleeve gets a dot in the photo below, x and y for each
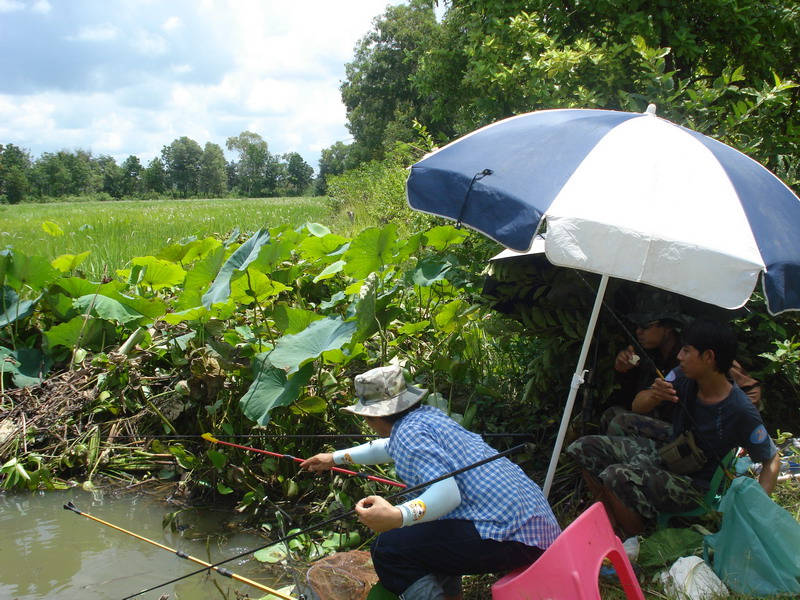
(371, 453)
(438, 500)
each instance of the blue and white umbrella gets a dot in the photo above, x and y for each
(627, 195)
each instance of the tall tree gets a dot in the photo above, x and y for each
(155, 176)
(15, 165)
(253, 157)
(111, 175)
(182, 163)
(333, 161)
(380, 101)
(132, 171)
(299, 174)
(213, 175)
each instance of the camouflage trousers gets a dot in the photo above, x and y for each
(631, 468)
(633, 424)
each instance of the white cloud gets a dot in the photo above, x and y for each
(11, 5)
(42, 6)
(104, 32)
(207, 70)
(172, 23)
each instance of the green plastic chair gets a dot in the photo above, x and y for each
(710, 502)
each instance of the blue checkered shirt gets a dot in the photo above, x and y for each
(498, 497)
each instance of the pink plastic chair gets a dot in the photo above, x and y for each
(570, 568)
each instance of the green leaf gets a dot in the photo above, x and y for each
(159, 274)
(107, 308)
(330, 271)
(33, 271)
(272, 554)
(218, 459)
(94, 334)
(324, 249)
(430, 271)
(293, 351)
(370, 251)
(12, 308)
(290, 320)
(52, 229)
(75, 287)
(310, 405)
(271, 388)
(317, 230)
(254, 285)
(272, 254)
(443, 236)
(366, 309)
(28, 366)
(245, 254)
(69, 262)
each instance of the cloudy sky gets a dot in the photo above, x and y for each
(124, 77)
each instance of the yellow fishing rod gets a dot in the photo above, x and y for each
(222, 571)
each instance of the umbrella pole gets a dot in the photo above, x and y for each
(577, 381)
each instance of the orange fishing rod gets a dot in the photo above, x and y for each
(210, 438)
(222, 571)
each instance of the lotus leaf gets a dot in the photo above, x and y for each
(322, 249)
(107, 308)
(293, 351)
(318, 230)
(429, 272)
(33, 271)
(271, 388)
(12, 308)
(254, 285)
(290, 320)
(28, 366)
(241, 258)
(159, 274)
(69, 262)
(81, 331)
(443, 236)
(330, 271)
(370, 251)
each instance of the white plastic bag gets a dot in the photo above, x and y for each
(691, 578)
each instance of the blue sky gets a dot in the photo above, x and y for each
(124, 77)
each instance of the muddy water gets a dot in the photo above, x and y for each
(47, 552)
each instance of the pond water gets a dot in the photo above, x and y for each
(47, 552)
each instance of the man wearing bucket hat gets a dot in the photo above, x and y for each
(487, 519)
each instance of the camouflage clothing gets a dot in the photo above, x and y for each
(631, 468)
(634, 424)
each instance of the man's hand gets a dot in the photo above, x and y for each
(318, 462)
(663, 391)
(625, 360)
(378, 514)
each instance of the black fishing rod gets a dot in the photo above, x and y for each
(181, 554)
(337, 517)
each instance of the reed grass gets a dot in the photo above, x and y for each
(116, 232)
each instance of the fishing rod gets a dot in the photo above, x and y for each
(180, 553)
(339, 516)
(210, 438)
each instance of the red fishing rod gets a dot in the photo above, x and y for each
(210, 438)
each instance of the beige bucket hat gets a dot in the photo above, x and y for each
(382, 392)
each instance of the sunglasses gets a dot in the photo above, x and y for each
(646, 326)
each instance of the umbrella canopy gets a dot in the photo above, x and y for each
(627, 195)
(630, 195)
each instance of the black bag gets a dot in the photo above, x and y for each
(681, 455)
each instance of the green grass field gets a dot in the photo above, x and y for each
(115, 232)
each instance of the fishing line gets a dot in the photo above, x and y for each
(210, 438)
(339, 516)
(181, 554)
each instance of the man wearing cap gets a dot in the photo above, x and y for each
(487, 519)
(657, 316)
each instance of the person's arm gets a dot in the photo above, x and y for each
(645, 402)
(769, 473)
(438, 500)
(371, 453)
